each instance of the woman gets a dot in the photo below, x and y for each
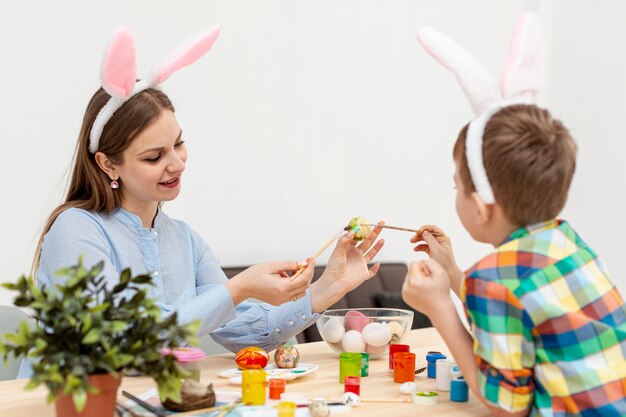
(130, 158)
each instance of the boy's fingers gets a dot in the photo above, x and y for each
(429, 238)
(422, 248)
(433, 267)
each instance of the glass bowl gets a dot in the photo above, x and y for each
(369, 330)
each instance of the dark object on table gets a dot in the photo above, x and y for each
(193, 396)
(144, 404)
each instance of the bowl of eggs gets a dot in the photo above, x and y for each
(369, 330)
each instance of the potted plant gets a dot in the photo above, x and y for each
(88, 334)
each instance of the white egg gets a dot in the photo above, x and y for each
(376, 334)
(333, 330)
(408, 388)
(353, 342)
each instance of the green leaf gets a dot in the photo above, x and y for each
(125, 276)
(80, 399)
(92, 336)
(118, 326)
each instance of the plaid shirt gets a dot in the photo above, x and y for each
(549, 327)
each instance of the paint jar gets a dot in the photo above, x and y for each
(444, 375)
(395, 347)
(253, 386)
(349, 365)
(403, 367)
(352, 384)
(459, 392)
(188, 359)
(432, 358)
(286, 409)
(276, 387)
(365, 364)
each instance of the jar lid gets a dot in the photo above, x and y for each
(184, 355)
(434, 356)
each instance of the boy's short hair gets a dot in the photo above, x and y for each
(530, 159)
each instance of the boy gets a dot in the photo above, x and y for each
(548, 328)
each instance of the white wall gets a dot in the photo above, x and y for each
(305, 114)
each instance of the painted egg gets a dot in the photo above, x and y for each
(361, 228)
(376, 350)
(355, 320)
(252, 357)
(376, 334)
(352, 341)
(333, 330)
(397, 331)
(351, 398)
(286, 356)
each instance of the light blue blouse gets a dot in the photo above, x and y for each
(187, 276)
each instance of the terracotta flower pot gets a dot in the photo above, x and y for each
(98, 405)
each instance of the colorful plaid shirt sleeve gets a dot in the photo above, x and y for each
(502, 344)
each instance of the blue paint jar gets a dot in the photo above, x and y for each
(432, 358)
(459, 392)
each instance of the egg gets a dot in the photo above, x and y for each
(286, 356)
(397, 331)
(353, 342)
(252, 357)
(376, 334)
(355, 320)
(333, 330)
(376, 350)
(408, 388)
(351, 398)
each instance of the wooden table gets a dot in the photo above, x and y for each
(16, 402)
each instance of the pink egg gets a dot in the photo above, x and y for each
(355, 320)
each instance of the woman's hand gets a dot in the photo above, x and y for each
(346, 269)
(439, 246)
(269, 282)
(426, 287)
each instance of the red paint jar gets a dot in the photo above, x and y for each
(393, 348)
(352, 384)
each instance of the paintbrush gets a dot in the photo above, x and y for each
(385, 226)
(317, 254)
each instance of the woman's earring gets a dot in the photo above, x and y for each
(115, 184)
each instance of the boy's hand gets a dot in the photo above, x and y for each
(439, 246)
(426, 287)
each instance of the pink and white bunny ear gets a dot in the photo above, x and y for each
(477, 83)
(523, 71)
(187, 53)
(119, 67)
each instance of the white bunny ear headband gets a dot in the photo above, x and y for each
(521, 79)
(119, 72)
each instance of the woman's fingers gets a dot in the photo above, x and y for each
(374, 269)
(371, 254)
(367, 243)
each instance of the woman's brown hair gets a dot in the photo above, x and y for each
(530, 159)
(89, 187)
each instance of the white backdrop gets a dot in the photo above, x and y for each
(306, 114)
